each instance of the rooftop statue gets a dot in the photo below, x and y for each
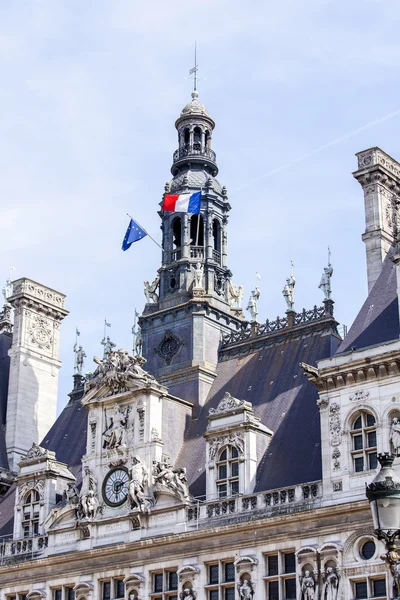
(118, 370)
(288, 292)
(252, 305)
(236, 295)
(150, 290)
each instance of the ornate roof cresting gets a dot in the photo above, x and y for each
(118, 370)
(227, 404)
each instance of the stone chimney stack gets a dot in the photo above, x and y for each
(379, 176)
(34, 365)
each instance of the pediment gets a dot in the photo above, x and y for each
(58, 516)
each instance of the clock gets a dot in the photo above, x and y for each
(116, 486)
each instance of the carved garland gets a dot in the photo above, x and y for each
(232, 439)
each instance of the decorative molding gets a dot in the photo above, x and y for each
(335, 424)
(359, 396)
(40, 333)
(228, 404)
(231, 439)
(169, 346)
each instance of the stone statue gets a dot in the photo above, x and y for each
(114, 435)
(138, 485)
(252, 305)
(394, 436)
(71, 494)
(197, 276)
(8, 287)
(288, 292)
(150, 290)
(138, 342)
(236, 295)
(79, 358)
(246, 590)
(88, 503)
(108, 345)
(307, 583)
(118, 370)
(188, 594)
(174, 479)
(325, 283)
(331, 585)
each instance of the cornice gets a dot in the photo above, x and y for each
(359, 371)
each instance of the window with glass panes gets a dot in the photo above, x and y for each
(112, 589)
(221, 580)
(228, 472)
(164, 585)
(363, 442)
(370, 588)
(30, 514)
(280, 576)
(65, 592)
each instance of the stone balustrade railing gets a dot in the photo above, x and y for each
(25, 548)
(263, 503)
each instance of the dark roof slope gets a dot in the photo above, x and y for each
(378, 320)
(272, 380)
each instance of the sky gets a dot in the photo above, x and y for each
(89, 96)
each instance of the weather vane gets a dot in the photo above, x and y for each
(193, 70)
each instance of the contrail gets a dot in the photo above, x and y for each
(338, 140)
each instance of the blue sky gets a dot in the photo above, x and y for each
(90, 92)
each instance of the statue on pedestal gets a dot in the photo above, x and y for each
(252, 305)
(288, 292)
(325, 283)
(236, 295)
(331, 585)
(394, 435)
(197, 276)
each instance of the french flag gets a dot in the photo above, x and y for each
(187, 203)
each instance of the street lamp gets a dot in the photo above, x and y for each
(383, 494)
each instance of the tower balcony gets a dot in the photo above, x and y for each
(194, 151)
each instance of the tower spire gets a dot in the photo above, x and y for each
(193, 70)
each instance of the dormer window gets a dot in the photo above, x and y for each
(228, 472)
(363, 441)
(30, 512)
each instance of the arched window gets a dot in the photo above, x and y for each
(216, 228)
(363, 442)
(197, 135)
(30, 514)
(228, 472)
(176, 233)
(186, 136)
(197, 232)
(207, 139)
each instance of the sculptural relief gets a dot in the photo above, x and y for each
(232, 439)
(188, 594)
(118, 370)
(115, 432)
(173, 479)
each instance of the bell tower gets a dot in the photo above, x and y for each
(182, 331)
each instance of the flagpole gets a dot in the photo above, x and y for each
(146, 232)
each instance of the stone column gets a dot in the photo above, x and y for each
(34, 366)
(185, 241)
(208, 239)
(224, 242)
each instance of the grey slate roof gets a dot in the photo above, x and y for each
(196, 179)
(285, 401)
(378, 320)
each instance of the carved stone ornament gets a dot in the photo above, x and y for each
(169, 346)
(227, 404)
(231, 439)
(323, 403)
(334, 424)
(27, 487)
(359, 396)
(335, 458)
(36, 452)
(119, 371)
(40, 333)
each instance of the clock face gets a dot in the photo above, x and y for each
(115, 487)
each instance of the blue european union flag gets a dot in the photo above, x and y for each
(134, 233)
